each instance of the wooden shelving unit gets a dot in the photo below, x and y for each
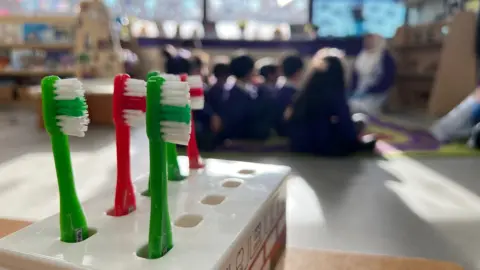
(36, 73)
(94, 49)
(436, 64)
(38, 46)
(52, 20)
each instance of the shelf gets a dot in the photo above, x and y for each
(433, 45)
(26, 73)
(38, 46)
(53, 20)
(422, 76)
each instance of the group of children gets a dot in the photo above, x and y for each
(312, 106)
(307, 105)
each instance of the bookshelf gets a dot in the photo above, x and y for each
(436, 66)
(84, 46)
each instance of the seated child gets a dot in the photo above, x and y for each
(292, 68)
(215, 94)
(321, 121)
(373, 76)
(177, 61)
(267, 88)
(239, 113)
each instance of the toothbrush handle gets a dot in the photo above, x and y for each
(73, 224)
(192, 148)
(124, 192)
(160, 234)
(172, 163)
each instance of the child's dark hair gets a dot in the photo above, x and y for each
(221, 70)
(291, 65)
(267, 70)
(196, 63)
(241, 66)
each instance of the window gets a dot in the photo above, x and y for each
(191, 29)
(472, 5)
(228, 30)
(254, 30)
(170, 29)
(115, 7)
(278, 11)
(257, 30)
(178, 10)
(142, 28)
(335, 18)
(44, 6)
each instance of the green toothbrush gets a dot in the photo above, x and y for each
(65, 113)
(168, 121)
(173, 168)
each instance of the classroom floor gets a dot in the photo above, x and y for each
(429, 209)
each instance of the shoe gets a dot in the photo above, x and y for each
(368, 143)
(360, 121)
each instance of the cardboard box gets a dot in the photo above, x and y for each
(6, 93)
(242, 210)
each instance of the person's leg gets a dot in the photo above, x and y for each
(457, 124)
(474, 141)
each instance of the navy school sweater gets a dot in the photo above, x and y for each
(242, 115)
(284, 98)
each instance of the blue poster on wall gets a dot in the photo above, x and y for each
(338, 18)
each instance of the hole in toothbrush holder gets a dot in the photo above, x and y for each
(142, 252)
(213, 199)
(90, 232)
(188, 221)
(232, 183)
(246, 171)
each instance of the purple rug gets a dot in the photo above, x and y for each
(392, 137)
(401, 138)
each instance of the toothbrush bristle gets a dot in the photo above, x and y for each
(71, 108)
(174, 132)
(175, 93)
(196, 92)
(195, 81)
(171, 77)
(175, 98)
(135, 90)
(67, 89)
(197, 103)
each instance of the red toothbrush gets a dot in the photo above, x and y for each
(196, 102)
(129, 107)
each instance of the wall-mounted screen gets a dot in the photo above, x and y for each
(336, 18)
(289, 11)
